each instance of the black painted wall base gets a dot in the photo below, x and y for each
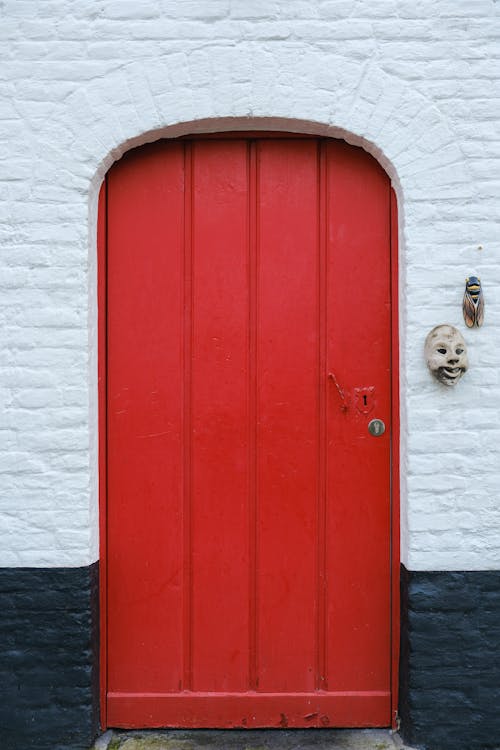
(48, 658)
(450, 660)
(449, 671)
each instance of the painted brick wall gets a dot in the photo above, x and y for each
(48, 658)
(450, 665)
(416, 83)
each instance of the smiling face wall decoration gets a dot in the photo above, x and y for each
(446, 354)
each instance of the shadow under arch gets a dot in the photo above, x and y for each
(234, 124)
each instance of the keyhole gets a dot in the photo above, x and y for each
(365, 400)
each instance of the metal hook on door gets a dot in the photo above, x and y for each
(344, 406)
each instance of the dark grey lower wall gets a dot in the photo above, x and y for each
(48, 658)
(450, 660)
(449, 670)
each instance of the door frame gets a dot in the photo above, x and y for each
(102, 424)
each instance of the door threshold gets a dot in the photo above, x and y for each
(250, 739)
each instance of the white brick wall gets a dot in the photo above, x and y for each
(416, 83)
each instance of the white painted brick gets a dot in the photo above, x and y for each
(37, 398)
(334, 10)
(255, 9)
(21, 463)
(129, 10)
(207, 11)
(417, 84)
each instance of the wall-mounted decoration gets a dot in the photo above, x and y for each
(473, 304)
(446, 354)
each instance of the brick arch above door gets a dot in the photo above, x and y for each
(405, 131)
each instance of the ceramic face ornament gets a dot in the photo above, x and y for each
(446, 354)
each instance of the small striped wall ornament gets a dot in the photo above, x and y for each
(473, 304)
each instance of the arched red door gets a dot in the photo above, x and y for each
(248, 519)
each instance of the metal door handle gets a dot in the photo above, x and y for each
(376, 427)
(344, 405)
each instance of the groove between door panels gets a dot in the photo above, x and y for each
(187, 418)
(252, 166)
(321, 590)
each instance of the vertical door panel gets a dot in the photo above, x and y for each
(358, 351)
(219, 404)
(287, 412)
(144, 519)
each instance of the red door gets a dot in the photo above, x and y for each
(248, 506)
